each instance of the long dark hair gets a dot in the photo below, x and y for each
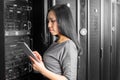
(65, 22)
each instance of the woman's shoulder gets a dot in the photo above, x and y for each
(70, 43)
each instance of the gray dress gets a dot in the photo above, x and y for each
(61, 58)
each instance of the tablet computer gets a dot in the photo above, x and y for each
(27, 50)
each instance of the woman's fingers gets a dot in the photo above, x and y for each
(32, 60)
(37, 55)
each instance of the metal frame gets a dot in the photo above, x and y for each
(2, 58)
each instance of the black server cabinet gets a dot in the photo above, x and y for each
(106, 40)
(15, 26)
(117, 47)
(110, 68)
(110, 42)
(115, 40)
(94, 39)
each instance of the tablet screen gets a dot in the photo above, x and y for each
(27, 50)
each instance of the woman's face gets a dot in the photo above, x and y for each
(52, 23)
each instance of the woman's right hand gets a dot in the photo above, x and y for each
(37, 65)
(37, 55)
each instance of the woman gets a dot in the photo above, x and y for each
(60, 60)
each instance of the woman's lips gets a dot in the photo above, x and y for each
(50, 30)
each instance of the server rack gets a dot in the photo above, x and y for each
(15, 27)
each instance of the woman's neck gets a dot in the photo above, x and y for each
(62, 38)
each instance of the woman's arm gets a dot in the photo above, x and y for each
(69, 61)
(39, 66)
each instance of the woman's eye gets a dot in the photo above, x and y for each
(53, 21)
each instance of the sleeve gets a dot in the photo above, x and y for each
(69, 62)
